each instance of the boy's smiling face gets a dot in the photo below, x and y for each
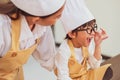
(84, 34)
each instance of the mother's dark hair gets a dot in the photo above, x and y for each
(8, 8)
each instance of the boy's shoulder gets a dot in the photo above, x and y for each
(64, 49)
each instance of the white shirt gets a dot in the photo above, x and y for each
(44, 52)
(63, 55)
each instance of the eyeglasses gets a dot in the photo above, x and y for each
(89, 30)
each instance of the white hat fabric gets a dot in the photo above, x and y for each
(39, 7)
(75, 14)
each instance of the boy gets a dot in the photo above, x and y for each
(79, 57)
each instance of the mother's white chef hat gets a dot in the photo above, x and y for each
(39, 7)
(75, 14)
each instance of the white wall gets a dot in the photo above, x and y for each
(107, 13)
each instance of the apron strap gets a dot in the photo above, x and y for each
(16, 27)
(85, 54)
(71, 49)
(85, 51)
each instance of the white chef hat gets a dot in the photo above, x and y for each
(39, 7)
(75, 14)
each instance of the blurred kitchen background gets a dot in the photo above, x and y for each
(107, 14)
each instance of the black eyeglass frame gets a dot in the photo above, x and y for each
(89, 30)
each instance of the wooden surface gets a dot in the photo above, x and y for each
(114, 70)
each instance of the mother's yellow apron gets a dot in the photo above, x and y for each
(11, 63)
(79, 71)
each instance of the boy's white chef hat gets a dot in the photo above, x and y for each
(75, 14)
(39, 7)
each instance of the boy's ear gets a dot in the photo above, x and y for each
(72, 35)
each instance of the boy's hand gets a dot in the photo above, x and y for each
(100, 36)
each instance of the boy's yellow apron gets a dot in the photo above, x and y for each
(79, 71)
(11, 63)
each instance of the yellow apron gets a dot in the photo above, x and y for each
(11, 63)
(79, 71)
